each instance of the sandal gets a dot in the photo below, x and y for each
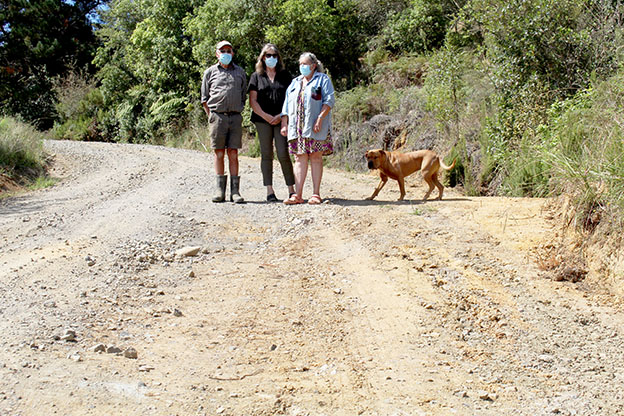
(315, 200)
(293, 200)
(272, 198)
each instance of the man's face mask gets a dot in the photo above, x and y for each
(225, 58)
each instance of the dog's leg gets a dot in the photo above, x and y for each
(401, 181)
(427, 178)
(438, 185)
(381, 184)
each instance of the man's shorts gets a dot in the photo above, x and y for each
(226, 130)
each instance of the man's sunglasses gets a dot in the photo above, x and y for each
(225, 50)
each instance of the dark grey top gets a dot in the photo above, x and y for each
(224, 89)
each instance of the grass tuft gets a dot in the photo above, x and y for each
(22, 158)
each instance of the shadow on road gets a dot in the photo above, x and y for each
(364, 202)
(25, 205)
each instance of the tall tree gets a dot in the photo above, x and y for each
(146, 67)
(242, 22)
(39, 40)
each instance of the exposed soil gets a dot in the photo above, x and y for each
(352, 307)
(7, 184)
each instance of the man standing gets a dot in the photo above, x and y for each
(223, 93)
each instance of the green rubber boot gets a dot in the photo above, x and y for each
(219, 195)
(234, 193)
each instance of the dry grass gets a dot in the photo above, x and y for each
(21, 150)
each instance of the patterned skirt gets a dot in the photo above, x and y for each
(306, 145)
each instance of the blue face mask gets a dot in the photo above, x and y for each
(225, 58)
(270, 62)
(305, 70)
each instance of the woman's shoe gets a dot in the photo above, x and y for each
(272, 198)
(315, 200)
(293, 200)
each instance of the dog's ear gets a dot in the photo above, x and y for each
(366, 154)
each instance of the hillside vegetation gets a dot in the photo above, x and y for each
(526, 95)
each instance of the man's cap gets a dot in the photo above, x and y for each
(224, 43)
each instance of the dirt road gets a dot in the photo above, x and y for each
(349, 308)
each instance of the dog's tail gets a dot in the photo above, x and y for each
(447, 167)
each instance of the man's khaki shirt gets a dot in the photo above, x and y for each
(224, 89)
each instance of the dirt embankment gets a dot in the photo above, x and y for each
(7, 184)
(349, 308)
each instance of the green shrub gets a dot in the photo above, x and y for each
(537, 52)
(446, 89)
(510, 140)
(421, 27)
(527, 173)
(561, 44)
(586, 148)
(374, 57)
(360, 104)
(78, 107)
(458, 96)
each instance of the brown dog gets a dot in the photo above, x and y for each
(398, 166)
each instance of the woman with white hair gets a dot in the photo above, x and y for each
(306, 121)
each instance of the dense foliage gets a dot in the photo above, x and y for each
(40, 40)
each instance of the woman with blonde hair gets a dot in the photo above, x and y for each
(267, 89)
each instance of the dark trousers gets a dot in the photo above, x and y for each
(267, 135)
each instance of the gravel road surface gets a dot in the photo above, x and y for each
(124, 290)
